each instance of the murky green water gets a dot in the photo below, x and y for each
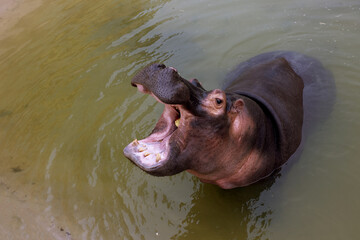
(67, 110)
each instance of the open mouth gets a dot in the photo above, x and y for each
(155, 150)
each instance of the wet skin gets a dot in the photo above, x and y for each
(236, 135)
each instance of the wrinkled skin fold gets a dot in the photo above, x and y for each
(236, 135)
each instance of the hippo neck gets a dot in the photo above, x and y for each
(255, 161)
(261, 161)
(264, 158)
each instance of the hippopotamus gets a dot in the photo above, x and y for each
(240, 133)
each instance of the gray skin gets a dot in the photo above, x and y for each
(239, 134)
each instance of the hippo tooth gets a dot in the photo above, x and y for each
(141, 149)
(146, 154)
(158, 157)
(135, 142)
(177, 122)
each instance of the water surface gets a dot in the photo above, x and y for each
(67, 110)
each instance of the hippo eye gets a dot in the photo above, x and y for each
(218, 101)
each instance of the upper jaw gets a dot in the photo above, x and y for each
(164, 83)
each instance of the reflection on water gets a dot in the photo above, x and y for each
(228, 214)
(67, 110)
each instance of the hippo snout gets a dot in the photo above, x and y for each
(164, 83)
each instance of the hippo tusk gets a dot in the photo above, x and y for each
(141, 149)
(135, 142)
(177, 122)
(158, 157)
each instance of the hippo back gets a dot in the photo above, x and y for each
(319, 85)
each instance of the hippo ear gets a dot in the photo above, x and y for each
(238, 105)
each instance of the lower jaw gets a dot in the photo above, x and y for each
(151, 153)
(148, 154)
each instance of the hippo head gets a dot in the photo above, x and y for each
(198, 130)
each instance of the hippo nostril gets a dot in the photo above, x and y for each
(162, 66)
